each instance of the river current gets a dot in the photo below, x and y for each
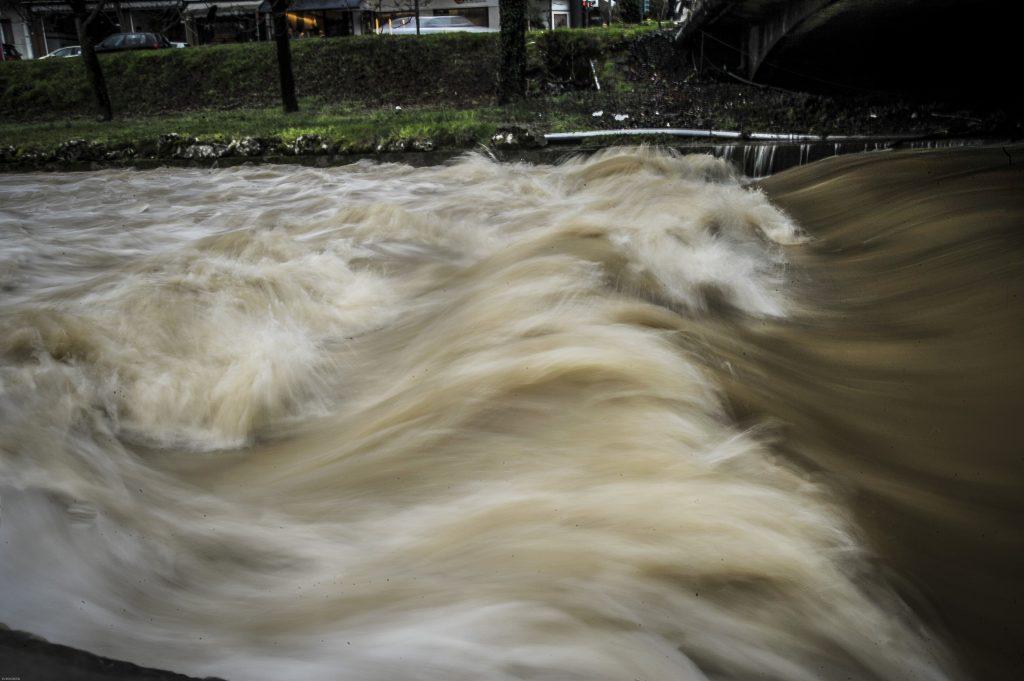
(624, 417)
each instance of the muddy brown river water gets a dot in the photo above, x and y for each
(626, 417)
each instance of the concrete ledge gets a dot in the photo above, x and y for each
(25, 657)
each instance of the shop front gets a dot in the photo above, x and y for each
(320, 18)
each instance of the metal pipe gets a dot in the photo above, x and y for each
(720, 134)
(670, 132)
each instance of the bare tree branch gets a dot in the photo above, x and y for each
(95, 11)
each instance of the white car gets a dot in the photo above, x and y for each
(441, 24)
(69, 51)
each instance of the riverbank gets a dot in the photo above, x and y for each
(416, 137)
(750, 156)
(642, 84)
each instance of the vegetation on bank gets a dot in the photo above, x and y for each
(360, 69)
(403, 93)
(456, 69)
(325, 130)
(351, 128)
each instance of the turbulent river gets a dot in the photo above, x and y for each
(625, 417)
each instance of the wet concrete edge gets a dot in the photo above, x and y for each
(551, 153)
(26, 657)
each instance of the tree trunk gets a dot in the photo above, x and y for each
(512, 73)
(417, 17)
(122, 22)
(284, 57)
(93, 71)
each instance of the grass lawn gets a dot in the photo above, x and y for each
(456, 70)
(355, 93)
(353, 126)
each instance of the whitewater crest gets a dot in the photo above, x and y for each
(378, 422)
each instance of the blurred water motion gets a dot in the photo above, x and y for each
(617, 418)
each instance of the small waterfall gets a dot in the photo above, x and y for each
(757, 159)
(805, 154)
(724, 151)
(764, 160)
(943, 144)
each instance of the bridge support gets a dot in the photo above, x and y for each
(761, 38)
(757, 37)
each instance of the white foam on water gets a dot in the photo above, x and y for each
(378, 422)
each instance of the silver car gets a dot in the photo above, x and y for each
(442, 24)
(69, 51)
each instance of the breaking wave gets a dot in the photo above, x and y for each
(379, 422)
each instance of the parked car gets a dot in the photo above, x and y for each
(178, 45)
(120, 42)
(442, 24)
(69, 51)
(11, 54)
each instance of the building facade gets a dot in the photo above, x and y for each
(15, 30)
(38, 27)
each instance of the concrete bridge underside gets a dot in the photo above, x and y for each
(754, 26)
(863, 45)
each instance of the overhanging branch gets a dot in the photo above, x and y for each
(95, 11)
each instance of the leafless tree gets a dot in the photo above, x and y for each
(84, 17)
(512, 65)
(83, 20)
(284, 55)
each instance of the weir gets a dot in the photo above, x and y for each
(763, 159)
(754, 157)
